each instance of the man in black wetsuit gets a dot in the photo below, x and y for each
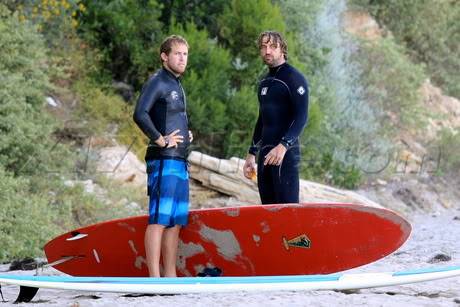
(161, 114)
(283, 113)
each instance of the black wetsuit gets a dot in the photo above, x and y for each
(283, 113)
(160, 110)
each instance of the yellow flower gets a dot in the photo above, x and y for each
(46, 15)
(35, 10)
(22, 18)
(65, 4)
(82, 7)
(74, 23)
(57, 12)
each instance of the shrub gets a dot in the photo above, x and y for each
(239, 27)
(391, 81)
(449, 148)
(27, 220)
(206, 84)
(127, 35)
(25, 128)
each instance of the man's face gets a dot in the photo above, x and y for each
(271, 52)
(176, 60)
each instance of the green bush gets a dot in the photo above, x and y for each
(206, 84)
(126, 34)
(98, 108)
(243, 109)
(202, 13)
(240, 25)
(77, 208)
(391, 81)
(27, 220)
(449, 148)
(25, 128)
(34, 210)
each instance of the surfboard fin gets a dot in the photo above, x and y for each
(26, 294)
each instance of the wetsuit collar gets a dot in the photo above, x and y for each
(275, 69)
(171, 74)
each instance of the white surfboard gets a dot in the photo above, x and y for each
(184, 285)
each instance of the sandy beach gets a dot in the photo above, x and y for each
(433, 234)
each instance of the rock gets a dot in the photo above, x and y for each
(53, 102)
(122, 165)
(440, 258)
(444, 110)
(88, 185)
(124, 90)
(361, 24)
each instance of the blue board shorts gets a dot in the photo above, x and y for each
(168, 190)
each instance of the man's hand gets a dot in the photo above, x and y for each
(275, 156)
(249, 168)
(172, 138)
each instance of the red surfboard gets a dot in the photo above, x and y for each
(240, 241)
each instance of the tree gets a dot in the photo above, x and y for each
(202, 13)
(240, 25)
(206, 83)
(128, 34)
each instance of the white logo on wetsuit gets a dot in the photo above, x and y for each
(301, 90)
(264, 91)
(174, 95)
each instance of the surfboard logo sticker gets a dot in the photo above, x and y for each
(301, 241)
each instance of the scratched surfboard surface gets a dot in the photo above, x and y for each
(240, 241)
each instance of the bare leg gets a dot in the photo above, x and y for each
(152, 241)
(169, 248)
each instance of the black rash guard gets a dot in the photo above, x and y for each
(160, 110)
(283, 113)
(283, 109)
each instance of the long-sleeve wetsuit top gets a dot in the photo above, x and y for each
(283, 108)
(160, 110)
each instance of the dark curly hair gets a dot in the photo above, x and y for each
(274, 37)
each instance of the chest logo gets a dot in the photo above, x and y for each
(174, 95)
(301, 90)
(264, 91)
